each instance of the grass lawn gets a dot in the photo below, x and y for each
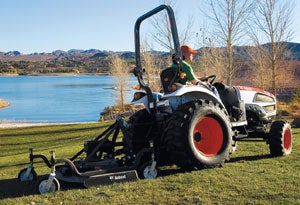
(250, 177)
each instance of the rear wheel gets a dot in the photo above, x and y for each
(280, 138)
(199, 135)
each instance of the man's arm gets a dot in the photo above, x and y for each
(189, 73)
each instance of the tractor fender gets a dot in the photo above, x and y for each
(184, 94)
(189, 93)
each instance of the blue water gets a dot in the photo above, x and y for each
(57, 98)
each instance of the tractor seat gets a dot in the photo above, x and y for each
(168, 77)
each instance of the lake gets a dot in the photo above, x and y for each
(57, 99)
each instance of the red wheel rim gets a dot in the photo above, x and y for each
(287, 139)
(208, 136)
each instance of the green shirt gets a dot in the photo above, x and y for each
(188, 70)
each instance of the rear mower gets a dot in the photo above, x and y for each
(101, 164)
(186, 125)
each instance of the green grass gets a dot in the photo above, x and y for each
(250, 177)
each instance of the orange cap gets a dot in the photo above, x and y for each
(187, 49)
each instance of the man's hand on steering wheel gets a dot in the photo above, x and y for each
(203, 83)
(206, 78)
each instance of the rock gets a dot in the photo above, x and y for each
(110, 113)
(3, 103)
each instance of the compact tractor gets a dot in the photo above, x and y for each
(186, 125)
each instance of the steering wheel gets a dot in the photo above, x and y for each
(206, 78)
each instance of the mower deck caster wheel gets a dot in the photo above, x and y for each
(47, 185)
(27, 174)
(147, 171)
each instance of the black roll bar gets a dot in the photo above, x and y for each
(138, 71)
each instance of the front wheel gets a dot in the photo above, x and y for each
(45, 186)
(280, 138)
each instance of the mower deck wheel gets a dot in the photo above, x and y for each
(41, 186)
(24, 176)
(145, 172)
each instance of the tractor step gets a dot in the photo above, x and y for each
(110, 178)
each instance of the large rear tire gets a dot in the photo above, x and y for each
(280, 138)
(199, 135)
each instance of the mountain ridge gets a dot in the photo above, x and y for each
(294, 48)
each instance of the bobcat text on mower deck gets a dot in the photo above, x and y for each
(185, 125)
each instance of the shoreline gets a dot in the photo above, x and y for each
(51, 74)
(13, 124)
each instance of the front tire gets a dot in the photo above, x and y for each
(280, 138)
(199, 135)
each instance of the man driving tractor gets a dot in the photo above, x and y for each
(188, 55)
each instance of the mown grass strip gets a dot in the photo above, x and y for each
(250, 177)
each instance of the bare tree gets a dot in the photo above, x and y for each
(120, 71)
(162, 34)
(210, 59)
(228, 17)
(153, 64)
(162, 30)
(273, 19)
(260, 67)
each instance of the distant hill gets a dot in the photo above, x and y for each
(295, 50)
(12, 53)
(96, 53)
(59, 54)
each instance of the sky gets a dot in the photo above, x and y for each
(39, 26)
